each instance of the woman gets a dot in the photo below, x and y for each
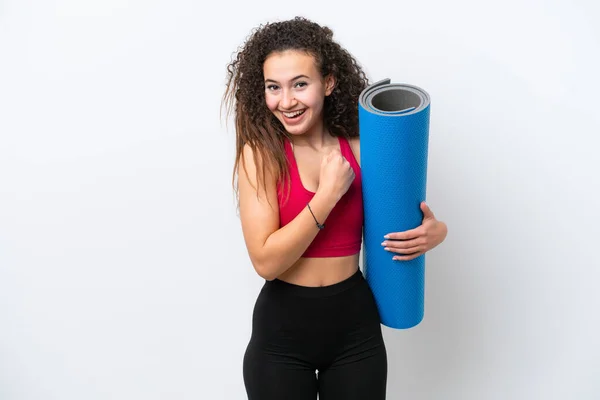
(315, 326)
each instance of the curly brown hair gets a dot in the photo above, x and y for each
(255, 124)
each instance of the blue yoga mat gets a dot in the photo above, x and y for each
(394, 139)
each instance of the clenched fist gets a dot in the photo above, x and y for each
(336, 175)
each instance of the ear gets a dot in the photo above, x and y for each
(329, 84)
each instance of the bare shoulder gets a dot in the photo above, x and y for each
(250, 168)
(355, 146)
(247, 164)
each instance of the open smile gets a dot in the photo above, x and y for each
(293, 114)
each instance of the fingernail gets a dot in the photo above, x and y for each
(383, 243)
(387, 236)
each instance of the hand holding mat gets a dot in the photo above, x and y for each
(394, 139)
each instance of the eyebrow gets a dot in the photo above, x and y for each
(294, 78)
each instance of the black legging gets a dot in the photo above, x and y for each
(297, 330)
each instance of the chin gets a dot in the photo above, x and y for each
(297, 130)
(294, 131)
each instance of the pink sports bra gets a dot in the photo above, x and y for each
(342, 235)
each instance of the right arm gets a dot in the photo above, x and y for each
(273, 250)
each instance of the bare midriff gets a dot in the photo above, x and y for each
(321, 271)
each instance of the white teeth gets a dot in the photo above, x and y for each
(293, 114)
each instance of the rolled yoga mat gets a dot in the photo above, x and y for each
(394, 139)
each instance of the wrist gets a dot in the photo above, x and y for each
(325, 197)
(319, 224)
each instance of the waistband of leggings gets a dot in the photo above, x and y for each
(317, 291)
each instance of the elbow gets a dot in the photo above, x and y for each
(268, 277)
(264, 269)
(265, 272)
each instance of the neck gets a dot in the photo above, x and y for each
(317, 138)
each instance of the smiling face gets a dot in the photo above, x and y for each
(295, 91)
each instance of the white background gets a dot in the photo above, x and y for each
(123, 272)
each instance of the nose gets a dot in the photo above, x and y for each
(288, 99)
